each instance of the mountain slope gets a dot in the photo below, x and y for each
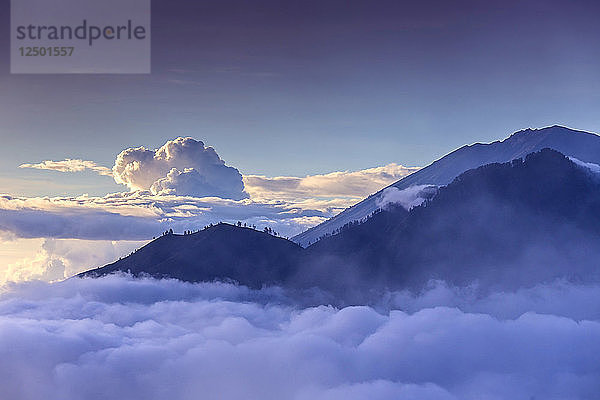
(579, 144)
(222, 252)
(505, 225)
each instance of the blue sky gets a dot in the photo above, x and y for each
(280, 89)
(296, 88)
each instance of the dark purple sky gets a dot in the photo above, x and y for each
(281, 87)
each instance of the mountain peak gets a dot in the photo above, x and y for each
(509, 225)
(536, 133)
(219, 251)
(584, 146)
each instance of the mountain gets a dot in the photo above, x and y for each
(502, 225)
(582, 145)
(222, 251)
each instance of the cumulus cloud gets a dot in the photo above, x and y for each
(70, 165)
(38, 266)
(356, 184)
(190, 182)
(57, 259)
(407, 198)
(183, 166)
(117, 337)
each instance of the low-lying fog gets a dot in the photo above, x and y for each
(122, 338)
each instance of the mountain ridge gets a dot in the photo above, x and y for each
(503, 224)
(585, 146)
(222, 250)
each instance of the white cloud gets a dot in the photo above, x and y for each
(39, 265)
(56, 259)
(355, 185)
(407, 198)
(182, 166)
(70, 165)
(190, 182)
(117, 337)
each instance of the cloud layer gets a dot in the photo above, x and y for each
(355, 184)
(117, 337)
(57, 259)
(141, 215)
(183, 166)
(185, 185)
(70, 165)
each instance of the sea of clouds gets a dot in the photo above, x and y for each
(123, 338)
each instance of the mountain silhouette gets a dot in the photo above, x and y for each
(501, 225)
(222, 251)
(582, 145)
(507, 225)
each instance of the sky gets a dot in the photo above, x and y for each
(314, 104)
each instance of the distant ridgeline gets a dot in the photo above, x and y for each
(582, 145)
(501, 225)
